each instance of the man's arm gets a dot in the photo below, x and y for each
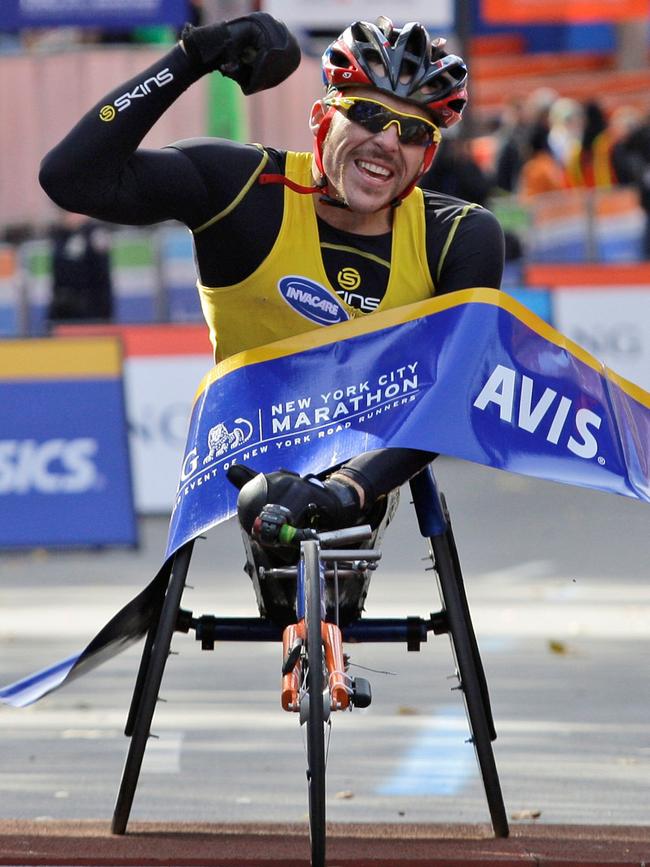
(465, 244)
(475, 256)
(98, 169)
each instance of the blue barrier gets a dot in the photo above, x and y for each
(65, 477)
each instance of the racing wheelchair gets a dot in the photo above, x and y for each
(312, 603)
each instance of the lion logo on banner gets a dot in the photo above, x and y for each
(221, 440)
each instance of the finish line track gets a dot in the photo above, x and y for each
(90, 844)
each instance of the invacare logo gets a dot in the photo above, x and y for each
(546, 412)
(311, 300)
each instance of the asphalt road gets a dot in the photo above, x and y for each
(557, 579)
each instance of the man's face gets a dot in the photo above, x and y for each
(368, 170)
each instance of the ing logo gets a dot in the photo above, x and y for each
(349, 278)
(107, 113)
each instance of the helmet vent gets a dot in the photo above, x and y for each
(457, 73)
(359, 32)
(417, 42)
(373, 57)
(408, 70)
(338, 59)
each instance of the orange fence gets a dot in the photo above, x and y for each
(552, 11)
(572, 274)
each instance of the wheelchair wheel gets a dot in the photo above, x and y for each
(150, 680)
(315, 721)
(470, 672)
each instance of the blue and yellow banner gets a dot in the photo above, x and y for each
(471, 374)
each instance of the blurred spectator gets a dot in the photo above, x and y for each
(624, 121)
(455, 172)
(511, 138)
(589, 161)
(632, 161)
(541, 172)
(81, 270)
(538, 105)
(17, 233)
(566, 126)
(519, 118)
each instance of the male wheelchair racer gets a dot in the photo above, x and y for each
(311, 574)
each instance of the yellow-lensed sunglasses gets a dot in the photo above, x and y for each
(376, 117)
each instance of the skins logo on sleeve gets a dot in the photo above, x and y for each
(312, 300)
(107, 112)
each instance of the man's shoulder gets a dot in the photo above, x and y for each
(227, 153)
(435, 203)
(442, 208)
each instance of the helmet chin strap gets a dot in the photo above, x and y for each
(326, 198)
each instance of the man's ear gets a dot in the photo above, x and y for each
(316, 115)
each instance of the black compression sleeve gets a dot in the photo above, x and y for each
(95, 170)
(381, 471)
(465, 246)
(475, 257)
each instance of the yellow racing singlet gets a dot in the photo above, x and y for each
(289, 293)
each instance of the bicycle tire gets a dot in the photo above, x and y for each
(315, 718)
(150, 689)
(470, 673)
(468, 619)
(146, 655)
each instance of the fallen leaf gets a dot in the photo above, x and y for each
(525, 814)
(558, 647)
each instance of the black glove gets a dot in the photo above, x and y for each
(257, 51)
(327, 505)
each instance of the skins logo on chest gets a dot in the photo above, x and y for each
(311, 300)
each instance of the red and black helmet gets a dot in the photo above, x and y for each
(406, 63)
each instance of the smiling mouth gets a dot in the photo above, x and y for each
(373, 170)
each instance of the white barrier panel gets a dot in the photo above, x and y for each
(340, 13)
(611, 322)
(163, 366)
(605, 308)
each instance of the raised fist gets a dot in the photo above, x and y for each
(257, 51)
